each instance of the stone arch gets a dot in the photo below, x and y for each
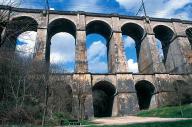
(25, 15)
(18, 26)
(103, 97)
(165, 34)
(57, 17)
(62, 25)
(168, 25)
(144, 90)
(136, 32)
(189, 35)
(105, 32)
(106, 21)
(134, 23)
(56, 26)
(133, 30)
(100, 27)
(183, 92)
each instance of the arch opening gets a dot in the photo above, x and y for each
(60, 51)
(25, 44)
(144, 91)
(17, 27)
(99, 27)
(132, 38)
(97, 43)
(165, 35)
(160, 51)
(97, 53)
(189, 35)
(103, 97)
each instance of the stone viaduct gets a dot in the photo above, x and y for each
(155, 85)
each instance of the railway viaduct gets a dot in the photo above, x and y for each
(155, 85)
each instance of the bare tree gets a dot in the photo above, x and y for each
(17, 90)
(5, 13)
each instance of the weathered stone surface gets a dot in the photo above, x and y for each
(128, 104)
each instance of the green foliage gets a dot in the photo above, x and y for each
(187, 123)
(85, 122)
(59, 118)
(172, 112)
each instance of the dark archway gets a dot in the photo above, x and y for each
(133, 32)
(189, 35)
(61, 34)
(144, 91)
(98, 33)
(16, 27)
(165, 35)
(103, 96)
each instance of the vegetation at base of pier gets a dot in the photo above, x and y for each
(184, 111)
(186, 123)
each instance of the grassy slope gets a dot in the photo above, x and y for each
(187, 123)
(172, 112)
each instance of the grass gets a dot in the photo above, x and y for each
(186, 123)
(164, 112)
(171, 112)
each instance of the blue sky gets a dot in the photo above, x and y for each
(96, 44)
(154, 8)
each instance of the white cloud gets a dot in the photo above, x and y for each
(28, 39)
(159, 47)
(97, 49)
(96, 52)
(10, 2)
(62, 48)
(160, 8)
(85, 5)
(129, 4)
(52, 9)
(132, 66)
(168, 9)
(128, 41)
(98, 67)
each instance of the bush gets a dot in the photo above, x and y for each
(59, 118)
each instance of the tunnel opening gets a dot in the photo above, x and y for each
(165, 35)
(132, 35)
(97, 43)
(189, 35)
(144, 91)
(103, 97)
